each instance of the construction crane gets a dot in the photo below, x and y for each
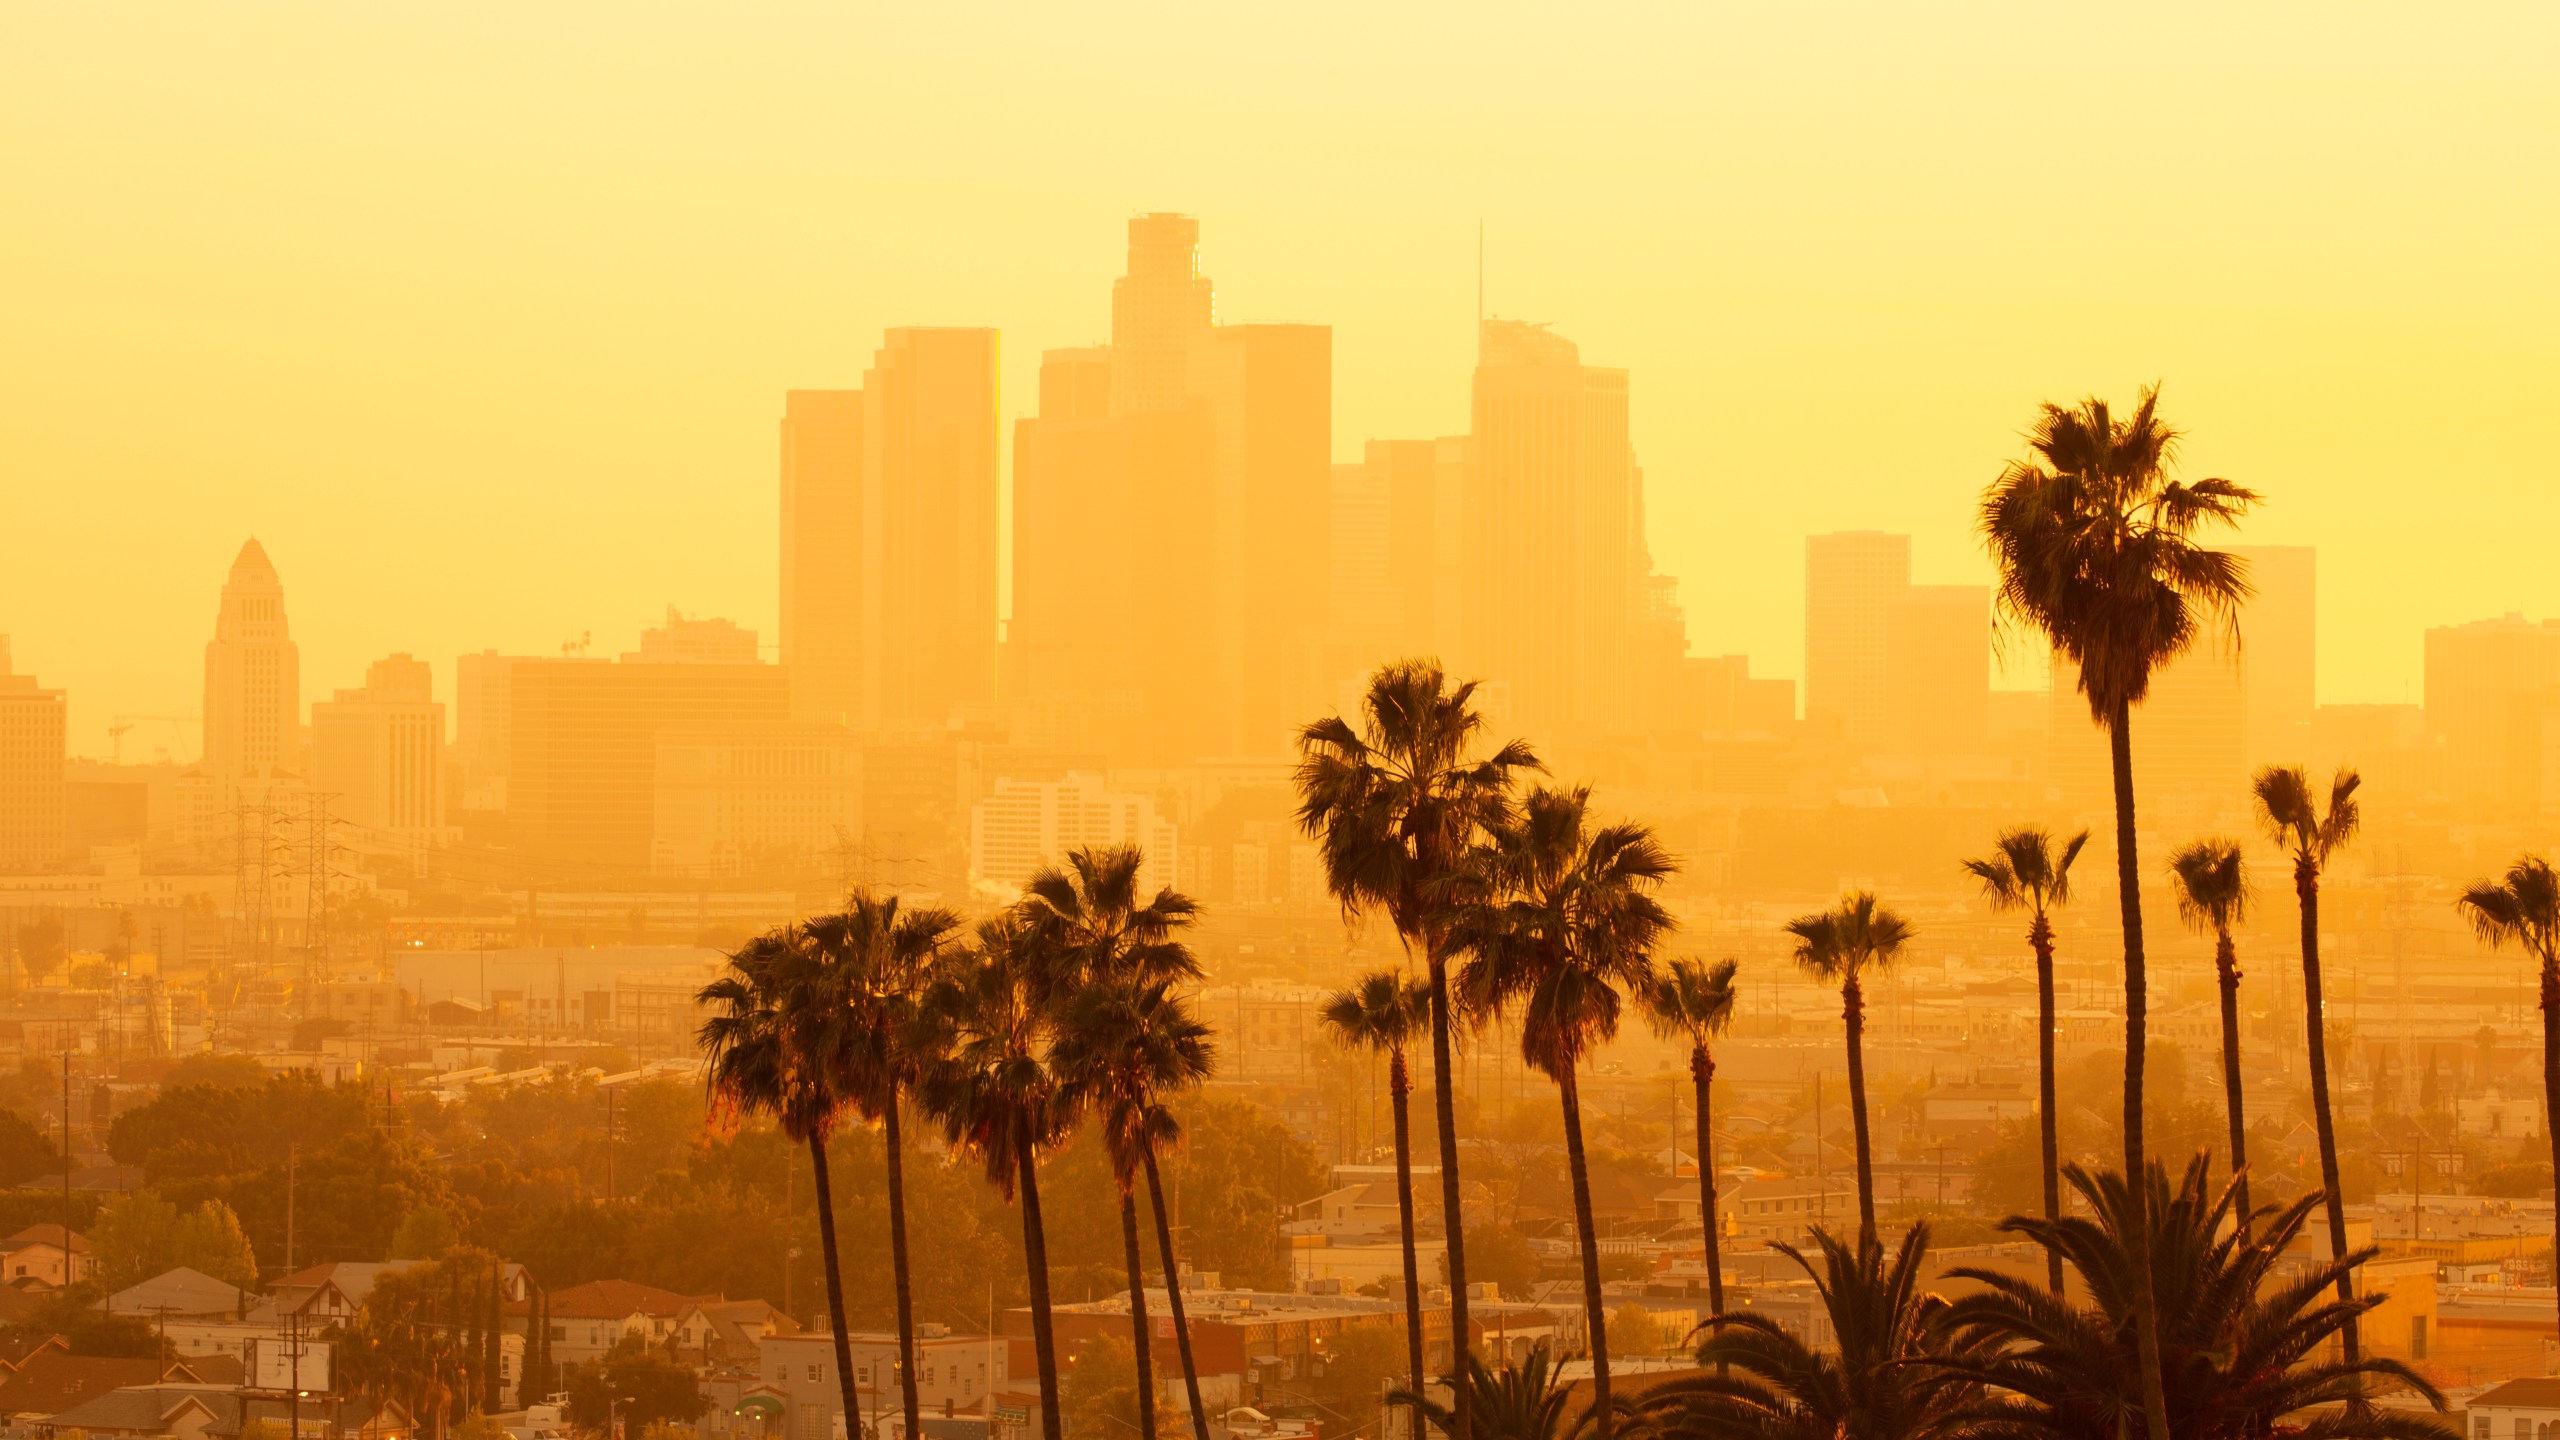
(123, 723)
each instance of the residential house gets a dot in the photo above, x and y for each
(954, 1372)
(2517, 1410)
(46, 1256)
(588, 1320)
(180, 1294)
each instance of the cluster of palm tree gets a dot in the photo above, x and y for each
(1062, 1008)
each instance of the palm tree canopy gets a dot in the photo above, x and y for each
(1381, 1011)
(1561, 917)
(1526, 1401)
(1090, 914)
(1691, 999)
(987, 1023)
(2523, 905)
(2242, 1346)
(765, 1040)
(2025, 871)
(1856, 935)
(1883, 1376)
(1122, 1049)
(882, 955)
(2290, 813)
(2212, 884)
(2096, 545)
(1394, 803)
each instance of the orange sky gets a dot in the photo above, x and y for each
(478, 315)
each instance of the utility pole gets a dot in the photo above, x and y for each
(292, 1157)
(66, 1162)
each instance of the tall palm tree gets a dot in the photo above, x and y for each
(1123, 1048)
(2237, 1339)
(2213, 896)
(1563, 921)
(2291, 815)
(1886, 1374)
(770, 1041)
(989, 1017)
(1090, 913)
(1527, 1401)
(1692, 1001)
(1381, 1012)
(2524, 906)
(1394, 805)
(2024, 872)
(2096, 549)
(886, 955)
(1838, 946)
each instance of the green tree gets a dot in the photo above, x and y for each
(1242, 1170)
(2213, 898)
(25, 1151)
(2523, 906)
(1105, 1391)
(1564, 926)
(2292, 817)
(1634, 1331)
(1503, 1260)
(1359, 1361)
(1838, 946)
(142, 1235)
(638, 1385)
(42, 949)
(1395, 805)
(1381, 1012)
(424, 1234)
(2024, 872)
(2095, 549)
(1694, 1002)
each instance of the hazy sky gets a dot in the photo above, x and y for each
(479, 315)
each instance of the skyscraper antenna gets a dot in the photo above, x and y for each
(1479, 274)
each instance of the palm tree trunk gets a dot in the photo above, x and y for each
(835, 1284)
(2306, 888)
(1452, 1208)
(2049, 1124)
(1702, 1070)
(1853, 1011)
(1138, 1337)
(1035, 1259)
(898, 1267)
(2551, 1069)
(2226, 964)
(1173, 1300)
(1595, 1310)
(2137, 1001)
(1400, 1086)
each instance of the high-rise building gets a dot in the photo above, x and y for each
(252, 676)
(684, 640)
(378, 758)
(1363, 603)
(1425, 486)
(2279, 637)
(1161, 311)
(1070, 655)
(929, 506)
(2493, 705)
(756, 799)
(1024, 825)
(1852, 582)
(33, 726)
(1938, 670)
(1550, 564)
(1271, 398)
(2189, 736)
(821, 552)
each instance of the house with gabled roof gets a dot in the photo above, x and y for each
(45, 1257)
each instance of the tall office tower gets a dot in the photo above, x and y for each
(2279, 638)
(2493, 706)
(1852, 581)
(33, 724)
(1551, 572)
(1271, 397)
(1161, 311)
(1361, 599)
(1425, 484)
(1024, 825)
(821, 552)
(1069, 651)
(2190, 740)
(378, 753)
(928, 554)
(1938, 670)
(252, 676)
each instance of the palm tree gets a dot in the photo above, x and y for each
(2524, 906)
(1526, 1401)
(2213, 896)
(1886, 1375)
(1562, 920)
(886, 955)
(2236, 1337)
(1090, 913)
(2097, 551)
(990, 1084)
(1123, 1048)
(2291, 816)
(1694, 1002)
(1381, 1013)
(1837, 946)
(770, 1043)
(2024, 872)
(1394, 806)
